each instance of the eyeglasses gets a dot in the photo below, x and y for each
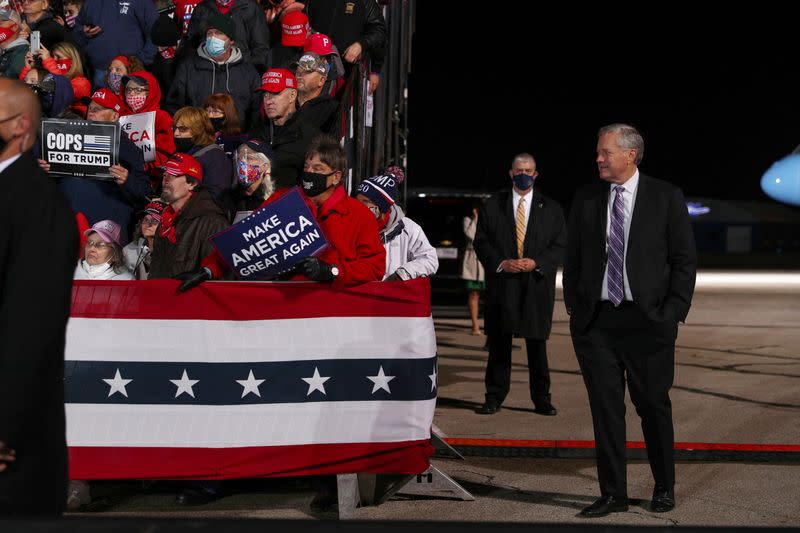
(182, 129)
(149, 221)
(97, 244)
(136, 90)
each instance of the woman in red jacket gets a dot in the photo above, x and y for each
(142, 95)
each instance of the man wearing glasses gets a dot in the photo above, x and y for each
(115, 200)
(316, 108)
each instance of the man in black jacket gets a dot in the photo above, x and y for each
(283, 129)
(38, 250)
(218, 66)
(252, 30)
(629, 277)
(317, 109)
(520, 240)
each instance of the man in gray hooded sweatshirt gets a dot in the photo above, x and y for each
(218, 67)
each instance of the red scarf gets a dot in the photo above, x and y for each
(167, 228)
(383, 220)
(224, 9)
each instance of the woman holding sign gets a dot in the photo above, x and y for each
(143, 95)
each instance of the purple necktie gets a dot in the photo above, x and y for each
(616, 249)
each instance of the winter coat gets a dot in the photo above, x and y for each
(165, 143)
(51, 31)
(164, 71)
(217, 168)
(252, 31)
(350, 21)
(126, 29)
(12, 58)
(200, 76)
(407, 247)
(289, 145)
(199, 219)
(352, 233)
(38, 247)
(236, 199)
(471, 267)
(105, 200)
(100, 272)
(53, 104)
(520, 304)
(137, 258)
(322, 112)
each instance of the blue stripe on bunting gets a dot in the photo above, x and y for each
(217, 382)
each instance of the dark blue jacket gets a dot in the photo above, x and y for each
(105, 200)
(217, 168)
(126, 28)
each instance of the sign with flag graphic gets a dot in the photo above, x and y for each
(141, 129)
(240, 379)
(80, 148)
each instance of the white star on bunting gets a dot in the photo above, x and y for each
(250, 384)
(432, 377)
(117, 384)
(184, 385)
(316, 382)
(381, 381)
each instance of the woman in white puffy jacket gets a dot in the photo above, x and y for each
(102, 254)
(409, 255)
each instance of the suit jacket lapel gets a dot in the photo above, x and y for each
(639, 207)
(532, 229)
(602, 212)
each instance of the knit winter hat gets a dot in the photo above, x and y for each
(382, 189)
(165, 32)
(223, 23)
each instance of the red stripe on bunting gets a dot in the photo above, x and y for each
(160, 300)
(564, 444)
(93, 463)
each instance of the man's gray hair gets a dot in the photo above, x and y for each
(524, 156)
(628, 138)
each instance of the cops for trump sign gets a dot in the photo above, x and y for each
(271, 240)
(80, 147)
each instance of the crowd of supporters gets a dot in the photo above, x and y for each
(247, 97)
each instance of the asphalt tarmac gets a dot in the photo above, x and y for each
(737, 380)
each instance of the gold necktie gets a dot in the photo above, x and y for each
(520, 227)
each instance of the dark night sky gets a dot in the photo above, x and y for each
(716, 101)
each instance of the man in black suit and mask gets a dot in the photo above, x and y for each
(629, 275)
(520, 240)
(38, 251)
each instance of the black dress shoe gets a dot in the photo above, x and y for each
(195, 497)
(488, 408)
(663, 500)
(545, 408)
(605, 506)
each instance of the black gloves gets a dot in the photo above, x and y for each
(193, 279)
(315, 270)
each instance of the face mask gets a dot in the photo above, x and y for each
(215, 46)
(114, 81)
(167, 53)
(247, 174)
(69, 20)
(183, 144)
(7, 33)
(63, 65)
(523, 182)
(218, 123)
(136, 101)
(314, 183)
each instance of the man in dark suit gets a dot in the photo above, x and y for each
(520, 241)
(629, 276)
(38, 251)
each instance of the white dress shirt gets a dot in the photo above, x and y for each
(631, 186)
(8, 162)
(515, 198)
